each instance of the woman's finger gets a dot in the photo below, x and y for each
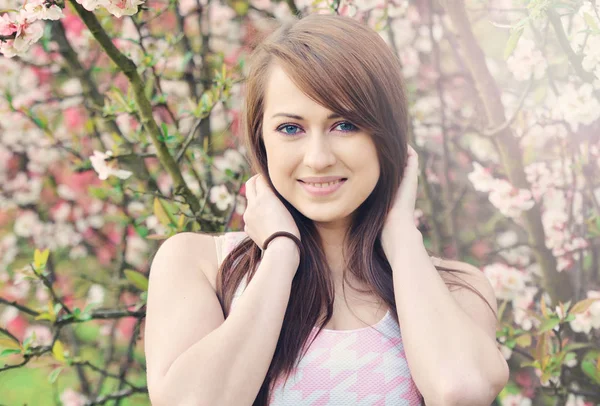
(260, 184)
(251, 188)
(411, 172)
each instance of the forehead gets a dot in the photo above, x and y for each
(283, 96)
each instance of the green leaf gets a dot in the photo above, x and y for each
(165, 130)
(46, 316)
(583, 305)
(590, 21)
(27, 342)
(57, 308)
(40, 258)
(513, 40)
(137, 279)
(58, 351)
(186, 59)
(9, 342)
(576, 346)
(54, 374)
(590, 365)
(161, 213)
(142, 231)
(181, 222)
(548, 325)
(98, 192)
(10, 351)
(502, 309)
(524, 340)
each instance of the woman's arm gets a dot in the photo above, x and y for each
(450, 339)
(194, 357)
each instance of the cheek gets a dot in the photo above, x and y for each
(280, 164)
(368, 165)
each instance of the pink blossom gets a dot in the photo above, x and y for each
(481, 178)
(509, 200)
(43, 335)
(120, 8)
(71, 398)
(521, 304)
(590, 319)
(526, 60)
(27, 32)
(37, 10)
(515, 400)
(74, 118)
(91, 5)
(508, 282)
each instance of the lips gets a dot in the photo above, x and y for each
(322, 190)
(321, 179)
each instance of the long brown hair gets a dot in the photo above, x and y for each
(348, 68)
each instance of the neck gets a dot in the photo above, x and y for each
(332, 236)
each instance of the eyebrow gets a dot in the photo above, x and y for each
(296, 117)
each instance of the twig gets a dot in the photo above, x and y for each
(188, 140)
(129, 68)
(7, 333)
(574, 59)
(102, 371)
(22, 308)
(491, 132)
(100, 400)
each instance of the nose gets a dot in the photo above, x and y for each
(318, 154)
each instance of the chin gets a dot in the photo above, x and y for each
(322, 215)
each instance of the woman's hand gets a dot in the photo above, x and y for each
(400, 219)
(265, 214)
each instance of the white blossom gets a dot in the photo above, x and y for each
(101, 167)
(220, 196)
(37, 10)
(526, 60)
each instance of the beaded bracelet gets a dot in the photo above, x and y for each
(283, 234)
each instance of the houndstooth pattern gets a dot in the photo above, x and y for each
(361, 367)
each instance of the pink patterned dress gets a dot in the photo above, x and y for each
(361, 367)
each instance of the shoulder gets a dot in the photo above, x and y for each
(183, 243)
(189, 252)
(461, 273)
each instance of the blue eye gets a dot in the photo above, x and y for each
(289, 127)
(349, 126)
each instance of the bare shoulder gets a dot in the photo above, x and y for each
(182, 306)
(197, 250)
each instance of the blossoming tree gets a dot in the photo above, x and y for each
(119, 128)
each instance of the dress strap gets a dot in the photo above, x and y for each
(225, 243)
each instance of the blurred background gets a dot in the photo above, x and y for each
(119, 127)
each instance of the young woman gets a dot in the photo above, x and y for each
(344, 306)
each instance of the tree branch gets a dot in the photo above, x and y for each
(574, 59)
(557, 284)
(129, 68)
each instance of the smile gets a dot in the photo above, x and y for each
(322, 189)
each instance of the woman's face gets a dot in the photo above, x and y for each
(305, 141)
